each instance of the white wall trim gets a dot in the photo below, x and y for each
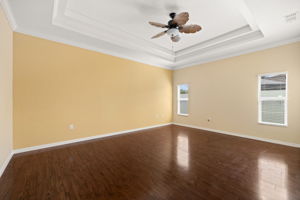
(4, 165)
(222, 45)
(221, 56)
(111, 52)
(78, 21)
(16, 151)
(150, 56)
(9, 15)
(220, 38)
(240, 135)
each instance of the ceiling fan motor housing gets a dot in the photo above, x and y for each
(172, 24)
(172, 15)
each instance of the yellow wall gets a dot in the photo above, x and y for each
(6, 40)
(226, 91)
(56, 85)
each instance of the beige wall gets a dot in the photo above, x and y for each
(6, 38)
(226, 91)
(56, 85)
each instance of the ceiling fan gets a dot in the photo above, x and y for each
(176, 26)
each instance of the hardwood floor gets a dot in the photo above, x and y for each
(171, 162)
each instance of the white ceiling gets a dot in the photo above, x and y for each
(120, 27)
(131, 17)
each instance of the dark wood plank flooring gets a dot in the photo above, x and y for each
(170, 162)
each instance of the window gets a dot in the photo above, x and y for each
(272, 99)
(183, 99)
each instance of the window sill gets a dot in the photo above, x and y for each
(273, 124)
(183, 114)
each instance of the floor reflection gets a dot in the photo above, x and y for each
(183, 151)
(272, 178)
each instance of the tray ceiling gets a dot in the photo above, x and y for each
(120, 27)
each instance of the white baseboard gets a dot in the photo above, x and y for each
(16, 151)
(241, 135)
(4, 165)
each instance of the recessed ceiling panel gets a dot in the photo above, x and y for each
(120, 27)
(217, 17)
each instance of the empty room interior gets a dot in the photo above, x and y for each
(149, 100)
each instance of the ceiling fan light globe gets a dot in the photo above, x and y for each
(173, 32)
(175, 38)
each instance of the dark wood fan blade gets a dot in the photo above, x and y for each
(181, 18)
(159, 35)
(158, 24)
(193, 28)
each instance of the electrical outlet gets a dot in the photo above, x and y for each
(71, 126)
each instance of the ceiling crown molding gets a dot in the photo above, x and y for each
(231, 42)
(78, 22)
(252, 26)
(8, 12)
(113, 50)
(221, 56)
(214, 40)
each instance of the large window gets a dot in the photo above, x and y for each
(272, 99)
(182, 99)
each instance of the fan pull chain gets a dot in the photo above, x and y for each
(173, 51)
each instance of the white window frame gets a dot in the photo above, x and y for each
(285, 99)
(182, 99)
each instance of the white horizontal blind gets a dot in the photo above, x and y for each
(273, 99)
(182, 99)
